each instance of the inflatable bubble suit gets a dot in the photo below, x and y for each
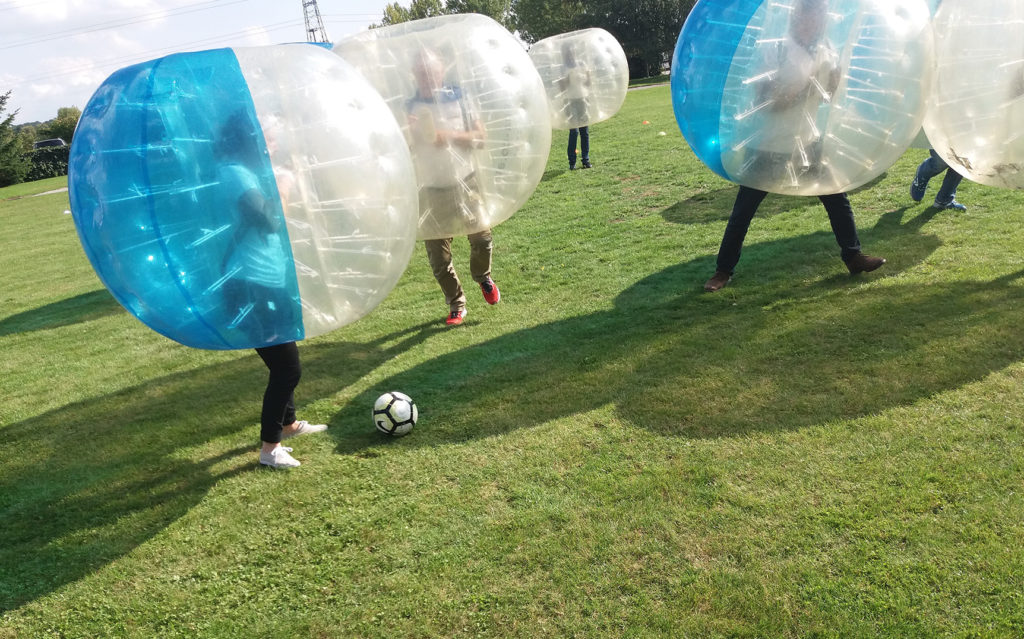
(473, 111)
(975, 116)
(803, 97)
(238, 198)
(585, 75)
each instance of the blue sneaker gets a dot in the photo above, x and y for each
(918, 187)
(952, 205)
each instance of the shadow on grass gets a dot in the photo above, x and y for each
(97, 478)
(553, 173)
(100, 477)
(81, 308)
(780, 354)
(715, 206)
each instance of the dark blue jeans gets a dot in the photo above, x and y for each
(840, 214)
(584, 136)
(932, 167)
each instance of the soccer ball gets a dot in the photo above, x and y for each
(394, 414)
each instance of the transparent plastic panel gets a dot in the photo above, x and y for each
(814, 96)
(176, 206)
(975, 116)
(237, 208)
(345, 176)
(585, 75)
(473, 111)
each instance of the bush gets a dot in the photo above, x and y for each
(47, 162)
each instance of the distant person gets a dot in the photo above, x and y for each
(444, 132)
(576, 85)
(806, 64)
(256, 292)
(946, 197)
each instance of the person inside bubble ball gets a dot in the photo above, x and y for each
(576, 85)
(255, 292)
(786, 145)
(946, 197)
(444, 131)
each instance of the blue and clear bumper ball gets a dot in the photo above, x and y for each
(239, 198)
(803, 97)
(585, 74)
(975, 117)
(473, 110)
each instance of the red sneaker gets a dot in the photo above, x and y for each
(490, 291)
(455, 317)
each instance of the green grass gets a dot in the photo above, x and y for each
(32, 188)
(654, 79)
(609, 452)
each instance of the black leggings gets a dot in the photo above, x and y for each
(278, 399)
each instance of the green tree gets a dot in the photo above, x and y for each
(13, 164)
(395, 13)
(647, 29)
(27, 135)
(539, 19)
(63, 126)
(500, 10)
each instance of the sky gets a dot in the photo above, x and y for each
(55, 53)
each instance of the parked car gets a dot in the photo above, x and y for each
(51, 142)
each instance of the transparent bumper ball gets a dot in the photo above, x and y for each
(473, 110)
(585, 74)
(975, 117)
(239, 198)
(803, 97)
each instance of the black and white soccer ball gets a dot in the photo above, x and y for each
(394, 413)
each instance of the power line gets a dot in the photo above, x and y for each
(124, 22)
(154, 53)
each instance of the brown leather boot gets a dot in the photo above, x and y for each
(717, 281)
(861, 263)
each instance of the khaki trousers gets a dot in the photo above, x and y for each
(439, 252)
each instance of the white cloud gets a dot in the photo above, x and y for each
(55, 53)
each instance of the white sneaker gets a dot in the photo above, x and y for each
(279, 458)
(305, 428)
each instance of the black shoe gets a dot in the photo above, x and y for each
(861, 263)
(587, 164)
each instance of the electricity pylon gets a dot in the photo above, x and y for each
(315, 31)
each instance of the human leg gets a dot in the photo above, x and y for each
(925, 172)
(481, 246)
(571, 150)
(840, 216)
(480, 249)
(585, 146)
(439, 253)
(946, 197)
(743, 210)
(278, 411)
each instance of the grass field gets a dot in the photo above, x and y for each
(608, 452)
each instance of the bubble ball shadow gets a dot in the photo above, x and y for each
(70, 514)
(716, 205)
(73, 310)
(551, 174)
(680, 362)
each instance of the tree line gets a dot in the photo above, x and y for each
(647, 29)
(19, 160)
